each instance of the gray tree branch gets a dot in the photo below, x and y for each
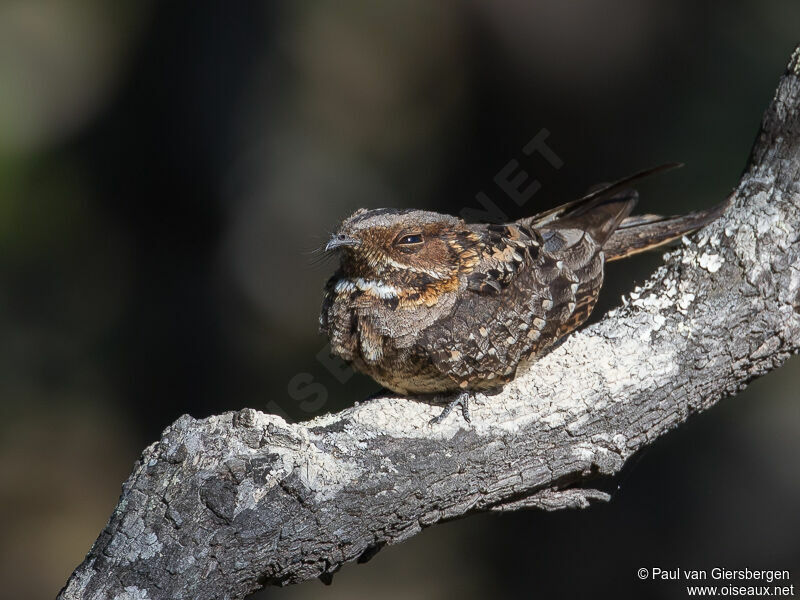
(222, 506)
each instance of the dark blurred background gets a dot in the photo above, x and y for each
(168, 168)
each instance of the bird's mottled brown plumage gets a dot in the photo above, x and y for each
(425, 303)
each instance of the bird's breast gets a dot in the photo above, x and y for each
(372, 319)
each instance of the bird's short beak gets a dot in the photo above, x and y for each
(340, 240)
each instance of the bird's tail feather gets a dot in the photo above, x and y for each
(644, 232)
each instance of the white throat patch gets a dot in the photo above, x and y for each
(378, 289)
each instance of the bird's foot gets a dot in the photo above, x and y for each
(461, 400)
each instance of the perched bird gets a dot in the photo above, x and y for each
(425, 303)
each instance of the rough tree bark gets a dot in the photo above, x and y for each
(222, 506)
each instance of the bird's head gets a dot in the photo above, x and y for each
(408, 252)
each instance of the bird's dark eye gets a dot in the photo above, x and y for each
(409, 239)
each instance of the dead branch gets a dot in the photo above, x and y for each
(222, 506)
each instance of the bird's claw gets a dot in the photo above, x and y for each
(461, 400)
